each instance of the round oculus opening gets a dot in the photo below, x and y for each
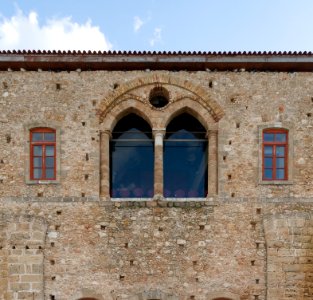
(159, 97)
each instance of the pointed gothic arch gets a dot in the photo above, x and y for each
(199, 93)
(133, 97)
(127, 107)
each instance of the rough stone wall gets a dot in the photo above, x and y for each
(22, 252)
(121, 250)
(289, 255)
(231, 246)
(248, 100)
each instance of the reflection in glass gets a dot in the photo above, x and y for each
(280, 174)
(49, 136)
(280, 162)
(269, 137)
(37, 136)
(37, 161)
(268, 150)
(49, 150)
(49, 162)
(132, 159)
(185, 158)
(268, 162)
(49, 173)
(37, 173)
(280, 151)
(281, 137)
(268, 173)
(37, 150)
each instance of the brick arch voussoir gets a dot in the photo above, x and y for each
(87, 294)
(191, 107)
(222, 296)
(125, 108)
(107, 103)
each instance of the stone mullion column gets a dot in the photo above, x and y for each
(212, 163)
(158, 162)
(105, 164)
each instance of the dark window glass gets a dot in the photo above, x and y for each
(268, 162)
(268, 173)
(49, 150)
(280, 151)
(280, 162)
(280, 137)
(37, 136)
(49, 136)
(185, 158)
(37, 173)
(49, 173)
(275, 150)
(49, 162)
(132, 159)
(37, 150)
(268, 150)
(269, 137)
(42, 154)
(280, 173)
(37, 162)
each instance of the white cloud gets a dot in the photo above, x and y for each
(157, 36)
(137, 23)
(24, 32)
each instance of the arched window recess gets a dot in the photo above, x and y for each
(185, 158)
(131, 159)
(179, 161)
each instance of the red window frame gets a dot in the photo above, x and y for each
(42, 159)
(274, 158)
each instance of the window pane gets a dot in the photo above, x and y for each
(49, 150)
(37, 136)
(132, 165)
(37, 162)
(268, 162)
(49, 173)
(269, 137)
(268, 150)
(280, 151)
(37, 173)
(37, 150)
(49, 136)
(280, 163)
(280, 174)
(185, 169)
(268, 174)
(281, 137)
(49, 162)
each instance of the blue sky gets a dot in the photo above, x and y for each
(157, 25)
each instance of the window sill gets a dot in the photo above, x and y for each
(276, 182)
(163, 199)
(150, 203)
(43, 182)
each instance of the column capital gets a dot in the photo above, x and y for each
(158, 132)
(212, 132)
(107, 132)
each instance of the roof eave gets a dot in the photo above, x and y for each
(190, 62)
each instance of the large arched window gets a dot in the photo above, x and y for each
(185, 158)
(131, 159)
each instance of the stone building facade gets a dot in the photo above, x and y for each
(70, 237)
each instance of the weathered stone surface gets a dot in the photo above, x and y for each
(69, 240)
